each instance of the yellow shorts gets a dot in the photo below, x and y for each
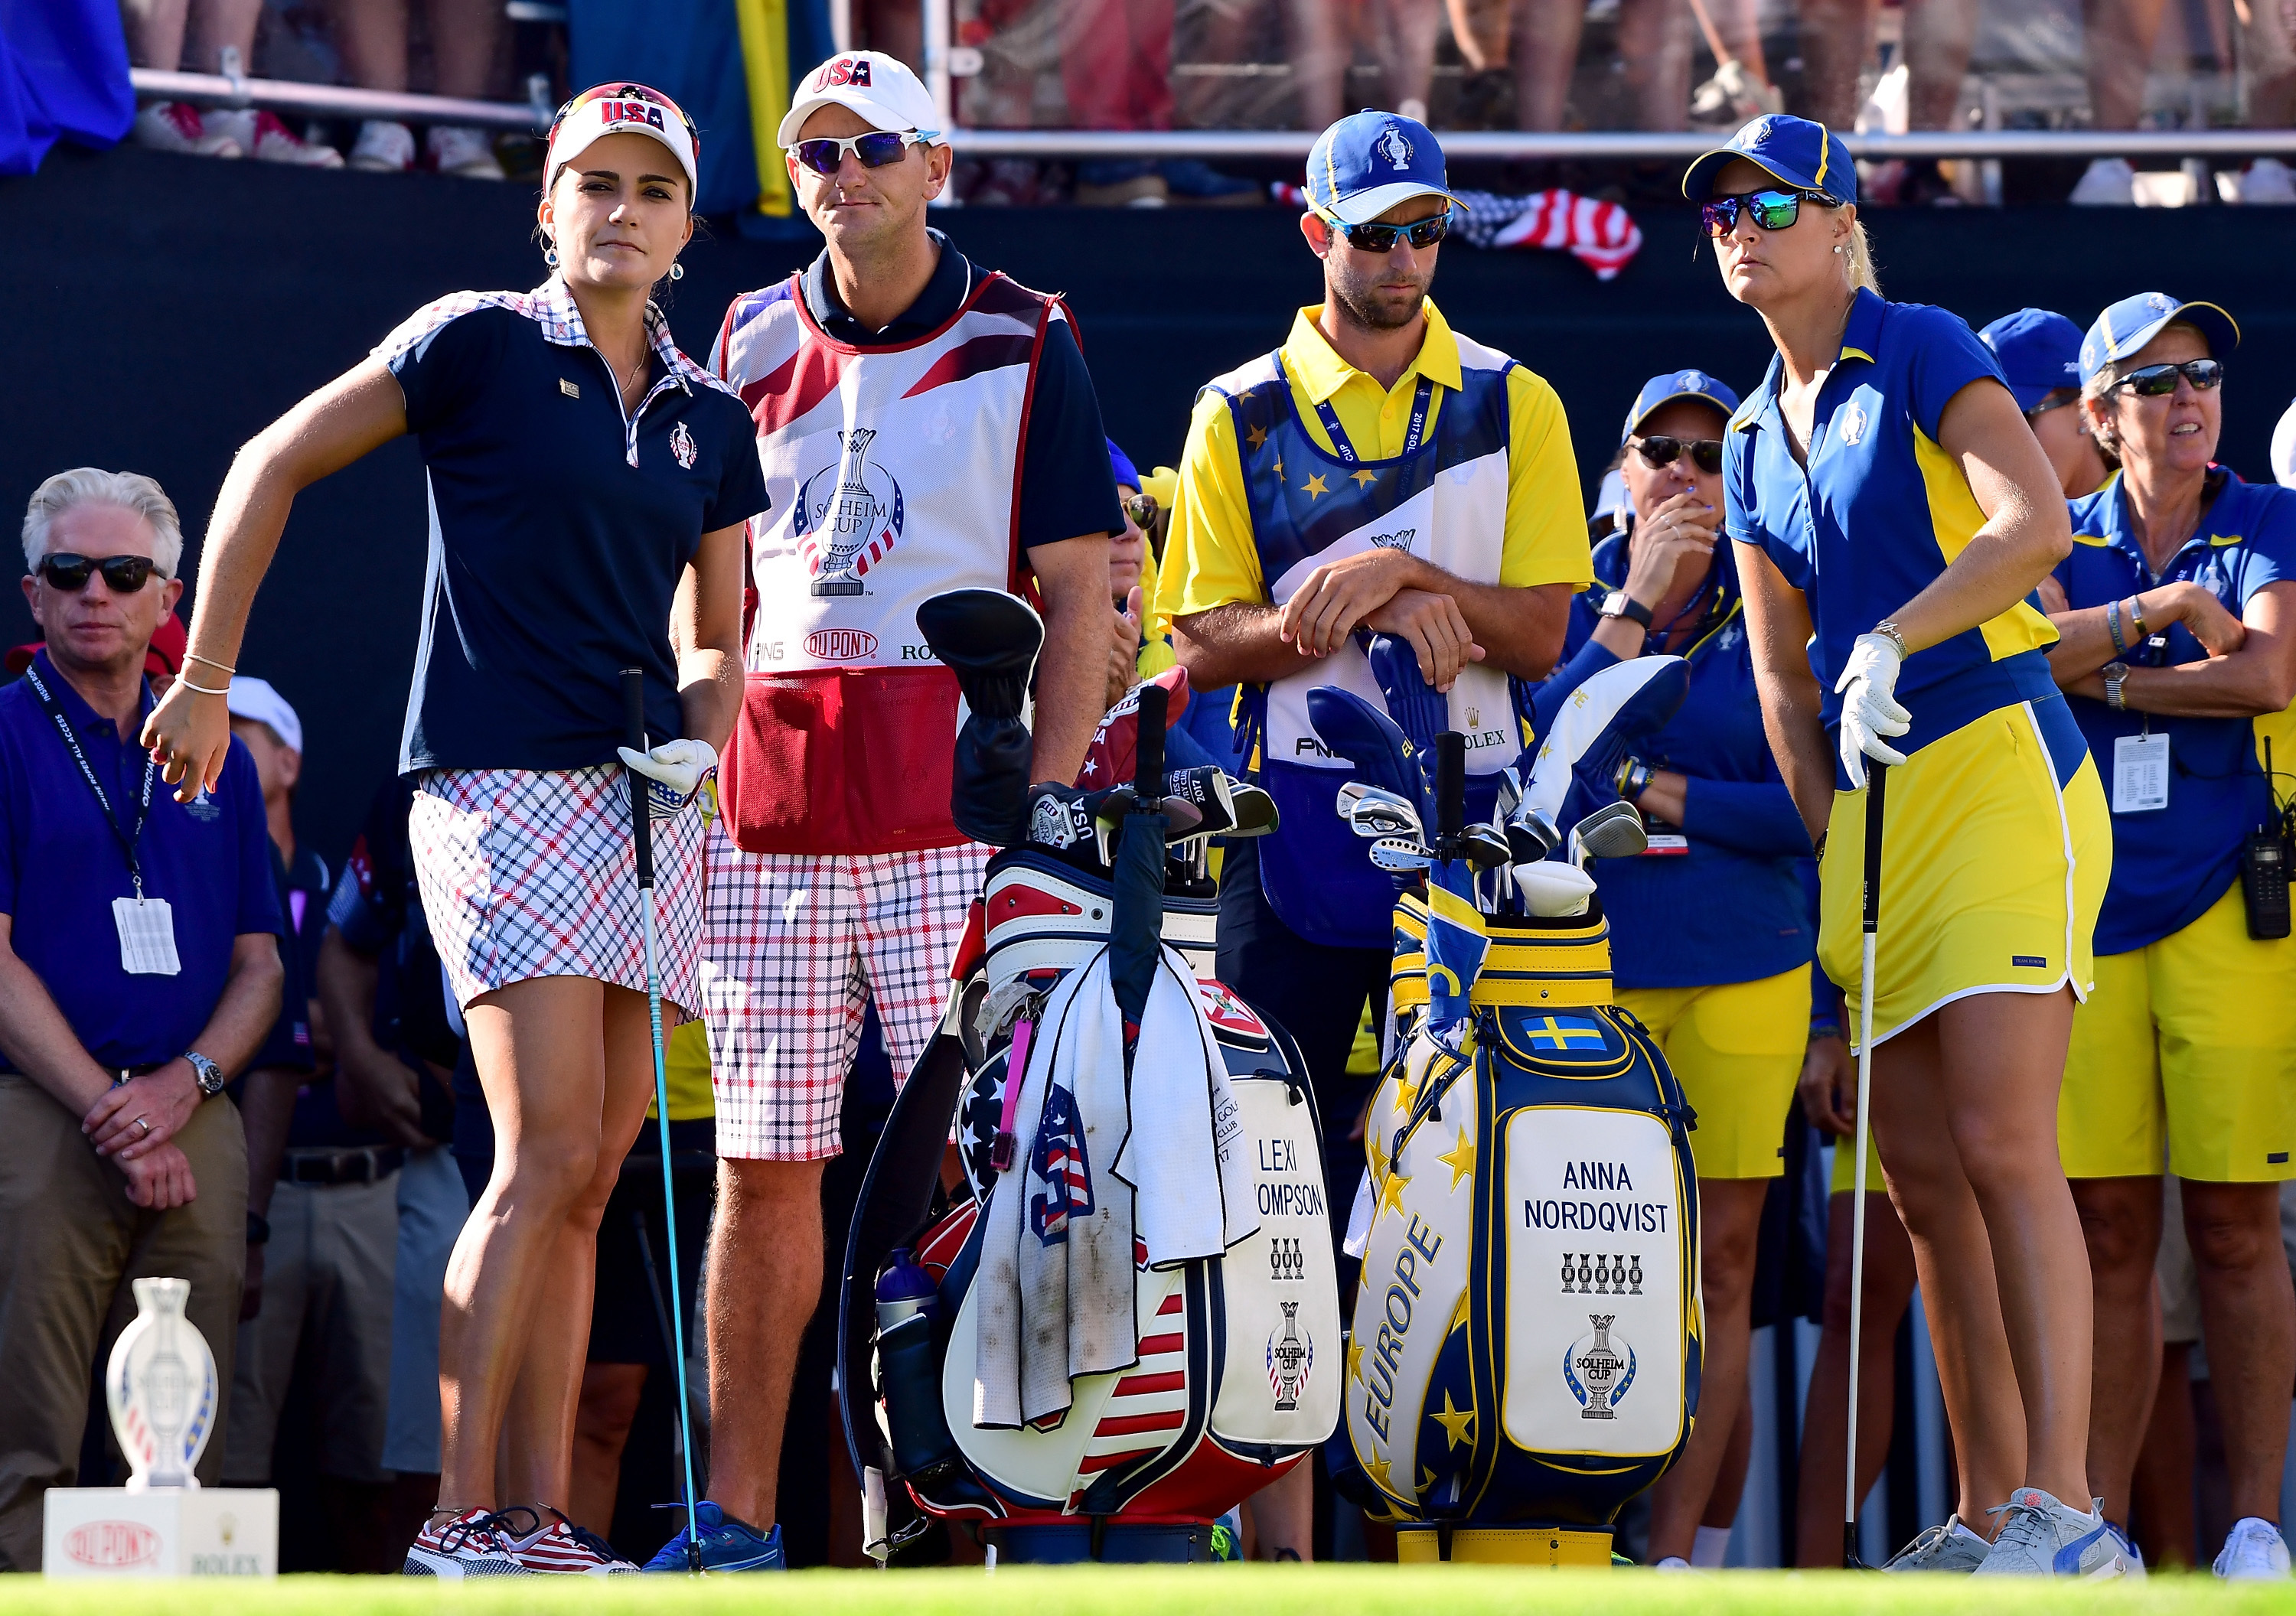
(2188, 1043)
(1845, 1166)
(1992, 875)
(1738, 1049)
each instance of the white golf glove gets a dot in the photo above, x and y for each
(1868, 689)
(676, 771)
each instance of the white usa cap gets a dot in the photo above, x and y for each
(879, 87)
(624, 108)
(257, 699)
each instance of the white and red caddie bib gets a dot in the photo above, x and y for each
(894, 476)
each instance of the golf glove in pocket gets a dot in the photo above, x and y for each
(676, 773)
(1870, 709)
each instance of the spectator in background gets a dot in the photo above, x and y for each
(1115, 64)
(156, 33)
(322, 1222)
(163, 659)
(397, 1038)
(139, 967)
(1324, 34)
(372, 34)
(2120, 39)
(1654, 43)
(2041, 359)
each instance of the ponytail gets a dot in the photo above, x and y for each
(1861, 260)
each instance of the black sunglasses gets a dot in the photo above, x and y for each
(2158, 381)
(122, 574)
(1770, 210)
(1381, 238)
(1659, 450)
(875, 149)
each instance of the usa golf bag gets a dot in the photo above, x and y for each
(1229, 1365)
(1525, 1347)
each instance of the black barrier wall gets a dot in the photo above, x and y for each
(163, 309)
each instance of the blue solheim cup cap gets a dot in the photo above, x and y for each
(2133, 322)
(1676, 384)
(1370, 161)
(2039, 352)
(1794, 151)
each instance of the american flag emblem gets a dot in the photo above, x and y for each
(1059, 1168)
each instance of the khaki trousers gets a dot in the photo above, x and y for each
(71, 1242)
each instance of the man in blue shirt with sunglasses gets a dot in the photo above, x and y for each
(1380, 472)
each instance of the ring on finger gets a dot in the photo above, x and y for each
(144, 1122)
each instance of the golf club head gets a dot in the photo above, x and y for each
(1252, 812)
(1205, 788)
(1552, 891)
(1510, 794)
(1400, 857)
(1382, 813)
(1350, 727)
(1485, 847)
(1613, 831)
(1531, 834)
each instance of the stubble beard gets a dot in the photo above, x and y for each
(1357, 307)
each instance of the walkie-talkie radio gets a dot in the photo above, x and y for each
(2264, 871)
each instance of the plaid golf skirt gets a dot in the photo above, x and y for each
(528, 873)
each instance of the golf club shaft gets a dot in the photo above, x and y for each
(642, 838)
(1869, 922)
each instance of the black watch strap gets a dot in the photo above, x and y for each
(1621, 604)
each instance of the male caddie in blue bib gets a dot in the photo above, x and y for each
(1378, 472)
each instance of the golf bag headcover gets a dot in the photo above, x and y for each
(1419, 709)
(1526, 1343)
(1611, 712)
(1384, 756)
(989, 639)
(1113, 758)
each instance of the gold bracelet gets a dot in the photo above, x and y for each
(2136, 617)
(211, 661)
(186, 680)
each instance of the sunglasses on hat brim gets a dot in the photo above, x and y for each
(1659, 450)
(1770, 210)
(825, 155)
(1421, 234)
(122, 574)
(2160, 380)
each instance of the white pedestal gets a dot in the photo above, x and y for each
(108, 1532)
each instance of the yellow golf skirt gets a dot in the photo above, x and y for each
(1738, 1049)
(2188, 1044)
(1994, 864)
(1845, 1166)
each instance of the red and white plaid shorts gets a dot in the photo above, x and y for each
(528, 873)
(794, 947)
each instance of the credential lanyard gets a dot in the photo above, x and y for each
(127, 841)
(1421, 397)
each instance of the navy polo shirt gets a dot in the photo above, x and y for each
(2170, 864)
(1880, 511)
(558, 526)
(303, 901)
(1732, 909)
(1067, 487)
(60, 867)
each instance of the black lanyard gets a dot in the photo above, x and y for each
(49, 705)
(1421, 397)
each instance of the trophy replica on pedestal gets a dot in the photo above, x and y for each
(161, 1389)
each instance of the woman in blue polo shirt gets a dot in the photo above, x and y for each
(1892, 513)
(1710, 929)
(588, 488)
(2179, 630)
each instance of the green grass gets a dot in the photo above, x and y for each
(1204, 1591)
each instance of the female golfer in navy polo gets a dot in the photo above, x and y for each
(588, 489)
(1892, 513)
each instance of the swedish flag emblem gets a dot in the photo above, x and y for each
(1564, 1034)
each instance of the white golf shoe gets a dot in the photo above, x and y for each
(2253, 1551)
(1952, 1549)
(2043, 1538)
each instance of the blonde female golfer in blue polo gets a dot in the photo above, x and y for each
(1884, 492)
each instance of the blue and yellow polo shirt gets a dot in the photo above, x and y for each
(2170, 864)
(1209, 558)
(1882, 510)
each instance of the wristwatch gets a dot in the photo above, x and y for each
(1618, 603)
(209, 1074)
(2114, 672)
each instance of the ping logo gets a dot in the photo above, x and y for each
(844, 69)
(841, 644)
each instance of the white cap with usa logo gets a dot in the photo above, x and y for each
(879, 87)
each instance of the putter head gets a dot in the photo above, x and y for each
(1484, 847)
(1613, 831)
(1531, 834)
(1399, 856)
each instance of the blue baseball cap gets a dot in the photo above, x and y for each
(1792, 151)
(2039, 352)
(2133, 322)
(1121, 463)
(1676, 384)
(1366, 163)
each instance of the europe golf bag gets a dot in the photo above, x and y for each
(1226, 1368)
(1525, 1346)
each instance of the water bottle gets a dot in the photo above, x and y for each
(909, 1311)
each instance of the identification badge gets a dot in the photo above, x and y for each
(147, 936)
(2140, 773)
(1665, 843)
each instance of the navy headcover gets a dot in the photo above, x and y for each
(1383, 756)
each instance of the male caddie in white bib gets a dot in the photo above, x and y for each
(924, 425)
